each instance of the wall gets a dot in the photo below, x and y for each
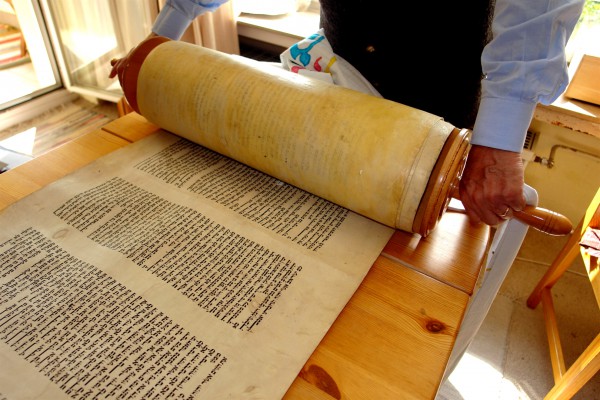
(571, 183)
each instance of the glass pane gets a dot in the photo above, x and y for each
(92, 32)
(27, 67)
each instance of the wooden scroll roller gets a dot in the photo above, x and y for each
(387, 161)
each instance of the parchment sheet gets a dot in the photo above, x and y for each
(164, 270)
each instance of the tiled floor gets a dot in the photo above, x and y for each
(509, 358)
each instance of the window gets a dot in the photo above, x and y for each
(584, 39)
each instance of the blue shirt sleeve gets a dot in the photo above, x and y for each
(524, 64)
(177, 15)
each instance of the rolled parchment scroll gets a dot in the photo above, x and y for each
(389, 162)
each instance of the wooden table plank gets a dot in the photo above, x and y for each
(302, 389)
(453, 253)
(396, 334)
(131, 127)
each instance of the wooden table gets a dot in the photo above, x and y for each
(394, 337)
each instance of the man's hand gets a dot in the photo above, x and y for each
(492, 183)
(119, 64)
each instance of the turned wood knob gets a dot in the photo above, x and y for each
(544, 220)
(541, 219)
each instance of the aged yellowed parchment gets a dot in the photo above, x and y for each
(368, 154)
(165, 270)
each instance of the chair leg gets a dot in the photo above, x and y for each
(563, 260)
(578, 374)
(554, 345)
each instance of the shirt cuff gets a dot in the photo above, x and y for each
(171, 23)
(502, 123)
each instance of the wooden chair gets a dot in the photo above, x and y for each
(569, 381)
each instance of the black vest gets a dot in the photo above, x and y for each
(424, 54)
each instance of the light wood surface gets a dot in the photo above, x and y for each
(394, 337)
(391, 339)
(584, 83)
(434, 257)
(568, 380)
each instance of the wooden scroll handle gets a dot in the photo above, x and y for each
(543, 220)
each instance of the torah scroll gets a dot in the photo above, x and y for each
(387, 161)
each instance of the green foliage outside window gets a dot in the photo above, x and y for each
(591, 12)
(587, 31)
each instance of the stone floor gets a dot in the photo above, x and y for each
(509, 358)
